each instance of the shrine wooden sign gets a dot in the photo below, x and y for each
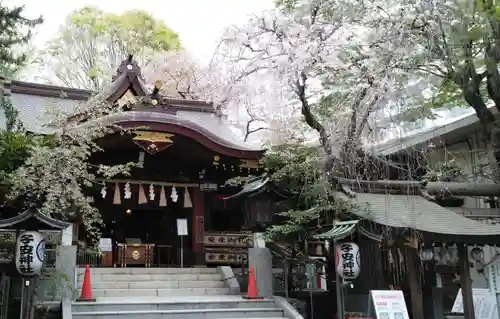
(226, 256)
(228, 239)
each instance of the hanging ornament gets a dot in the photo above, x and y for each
(187, 199)
(174, 195)
(163, 197)
(104, 192)
(151, 192)
(126, 190)
(142, 196)
(117, 198)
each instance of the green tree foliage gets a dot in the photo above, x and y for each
(455, 46)
(91, 44)
(57, 177)
(296, 170)
(14, 143)
(15, 31)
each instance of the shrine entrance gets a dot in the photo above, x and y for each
(158, 228)
(145, 234)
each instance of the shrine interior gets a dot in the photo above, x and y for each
(141, 219)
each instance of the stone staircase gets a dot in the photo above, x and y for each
(154, 282)
(174, 293)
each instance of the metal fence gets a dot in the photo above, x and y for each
(163, 256)
(289, 275)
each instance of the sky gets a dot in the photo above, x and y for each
(198, 22)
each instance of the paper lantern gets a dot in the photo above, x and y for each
(30, 253)
(347, 261)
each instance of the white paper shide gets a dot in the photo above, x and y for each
(30, 253)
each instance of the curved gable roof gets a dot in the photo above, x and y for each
(36, 215)
(195, 119)
(210, 131)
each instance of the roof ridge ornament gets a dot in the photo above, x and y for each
(129, 66)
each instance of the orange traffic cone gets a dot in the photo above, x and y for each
(87, 287)
(252, 292)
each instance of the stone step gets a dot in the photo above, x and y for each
(156, 284)
(143, 271)
(185, 314)
(150, 277)
(159, 292)
(147, 305)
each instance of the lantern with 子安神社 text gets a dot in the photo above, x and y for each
(347, 260)
(30, 253)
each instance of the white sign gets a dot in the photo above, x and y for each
(30, 253)
(485, 304)
(347, 261)
(389, 304)
(493, 271)
(182, 227)
(105, 244)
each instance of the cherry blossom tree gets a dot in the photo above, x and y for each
(321, 54)
(247, 100)
(56, 177)
(451, 48)
(340, 71)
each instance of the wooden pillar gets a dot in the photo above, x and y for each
(198, 226)
(415, 283)
(466, 282)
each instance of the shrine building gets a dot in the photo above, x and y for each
(187, 151)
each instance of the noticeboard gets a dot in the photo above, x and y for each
(389, 304)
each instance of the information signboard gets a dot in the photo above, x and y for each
(389, 304)
(485, 304)
(182, 228)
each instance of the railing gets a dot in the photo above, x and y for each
(163, 256)
(168, 256)
(82, 258)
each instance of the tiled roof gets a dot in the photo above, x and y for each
(35, 101)
(212, 126)
(340, 230)
(253, 185)
(411, 211)
(33, 214)
(35, 111)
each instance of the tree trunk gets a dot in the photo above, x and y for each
(491, 131)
